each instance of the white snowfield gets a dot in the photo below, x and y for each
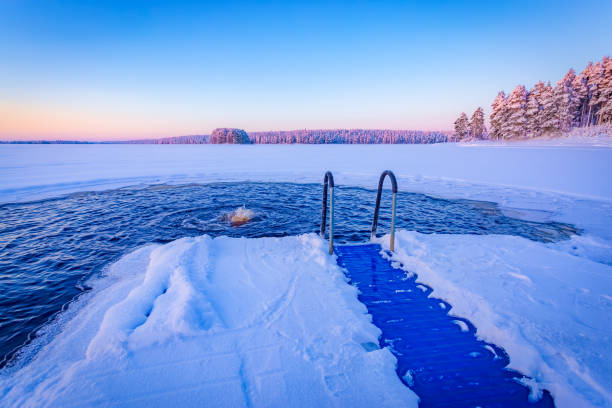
(218, 323)
(32, 171)
(548, 309)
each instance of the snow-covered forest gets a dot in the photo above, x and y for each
(304, 136)
(229, 135)
(350, 136)
(576, 100)
(188, 139)
(319, 136)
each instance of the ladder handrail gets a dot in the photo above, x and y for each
(378, 196)
(328, 180)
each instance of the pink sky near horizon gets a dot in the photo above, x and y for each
(45, 123)
(119, 70)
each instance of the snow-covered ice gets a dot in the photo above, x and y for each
(31, 171)
(549, 309)
(215, 322)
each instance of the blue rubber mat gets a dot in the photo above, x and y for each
(447, 365)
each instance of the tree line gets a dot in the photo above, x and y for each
(473, 128)
(305, 136)
(187, 139)
(319, 136)
(350, 136)
(576, 100)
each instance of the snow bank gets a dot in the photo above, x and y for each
(214, 322)
(550, 310)
(595, 136)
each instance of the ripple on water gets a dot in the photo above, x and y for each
(49, 248)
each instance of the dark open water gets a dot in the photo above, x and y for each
(49, 248)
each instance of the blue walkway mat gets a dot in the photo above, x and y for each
(447, 365)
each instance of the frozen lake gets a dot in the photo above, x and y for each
(29, 171)
(491, 228)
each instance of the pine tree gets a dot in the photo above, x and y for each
(581, 95)
(604, 101)
(532, 112)
(585, 84)
(476, 126)
(593, 85)
(566, 101)
(549, 116)
(499, 115)
(516, 125)
(461, 127)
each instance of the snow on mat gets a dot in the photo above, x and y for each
(548, 309)
(215, 322)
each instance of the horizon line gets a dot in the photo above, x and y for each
(122, 140)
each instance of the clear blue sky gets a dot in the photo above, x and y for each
(130, 69)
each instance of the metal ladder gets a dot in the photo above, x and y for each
(328, 184)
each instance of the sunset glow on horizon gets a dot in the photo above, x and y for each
(113, 70)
